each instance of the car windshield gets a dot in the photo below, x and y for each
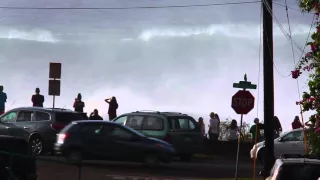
(299, 171)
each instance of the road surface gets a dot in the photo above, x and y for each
(114, 170)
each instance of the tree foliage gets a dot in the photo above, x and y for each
(310, 63)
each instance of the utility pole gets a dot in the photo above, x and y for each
(268, 86)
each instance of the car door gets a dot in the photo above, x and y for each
(7, 121)
(291, 143)
(23, 124)
(154, 126)
(185, 134)
(122, 144)
(92, 138)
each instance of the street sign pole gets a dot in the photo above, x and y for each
(54, 98)
(244, 85)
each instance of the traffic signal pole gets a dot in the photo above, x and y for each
(268, 86)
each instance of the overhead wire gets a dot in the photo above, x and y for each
(138, 7)
(126, 8)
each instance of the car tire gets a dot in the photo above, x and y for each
(186, 157)
(36, 144)
(74, 157)
(151, 160)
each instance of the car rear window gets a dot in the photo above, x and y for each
(67, 117)
(299, 171)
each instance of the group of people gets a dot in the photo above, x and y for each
(78, 106)
(37, 101)
(234, 130)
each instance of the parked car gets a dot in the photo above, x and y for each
(13, 166)
(291, 142)
(178, 129)
(105, 140)
(296, 167)
(38, 126)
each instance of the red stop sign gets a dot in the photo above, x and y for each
(242, 102)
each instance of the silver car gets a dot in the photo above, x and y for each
(291, 142)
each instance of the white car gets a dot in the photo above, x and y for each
(291, 142)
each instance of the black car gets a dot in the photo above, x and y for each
(105, 140)
(38, 126)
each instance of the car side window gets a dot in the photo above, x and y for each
(293, 136)
(153, 123)
(10, 117)
(42, 116)
(184, 124)
(25, 116)
(120, 134)
(121, 120)
(90, 130)
(135, 122)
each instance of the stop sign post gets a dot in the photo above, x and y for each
(242, 103)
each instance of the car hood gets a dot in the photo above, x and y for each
(262, 142)
(157, 141)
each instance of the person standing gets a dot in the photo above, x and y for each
(296, 124)
(78, 104)
(113, 106)
(3, 100)
(233, 131)
(255, 131)
(202, 127)
(95, 115)
(277, 127)
(37, 99)
(214, 127)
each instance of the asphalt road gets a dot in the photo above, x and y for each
(114, 170)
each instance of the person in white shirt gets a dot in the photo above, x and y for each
(233, 131)
(214, 127)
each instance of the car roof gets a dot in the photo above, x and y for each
(294, 159)
(30, 108)
(157, 113)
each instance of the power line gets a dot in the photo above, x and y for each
(285, 6)
(126, 8)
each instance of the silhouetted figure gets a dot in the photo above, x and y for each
(214, 127)
(233, 131)
(78, 104)
(37, 99)
(3, 100)
(256, 132)
(277, 127)
(113, 106)
(202, 127)
(95, 115)
(296, 124)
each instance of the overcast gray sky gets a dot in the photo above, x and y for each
(174, 59)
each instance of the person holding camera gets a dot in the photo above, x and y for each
(95, 115)
(78, 104)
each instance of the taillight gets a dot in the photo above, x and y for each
(167, 139)
(62, 138)
(57, 126)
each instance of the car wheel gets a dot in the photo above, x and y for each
(74, 157)
(151, 160)
(185, 157)
(36, 145)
